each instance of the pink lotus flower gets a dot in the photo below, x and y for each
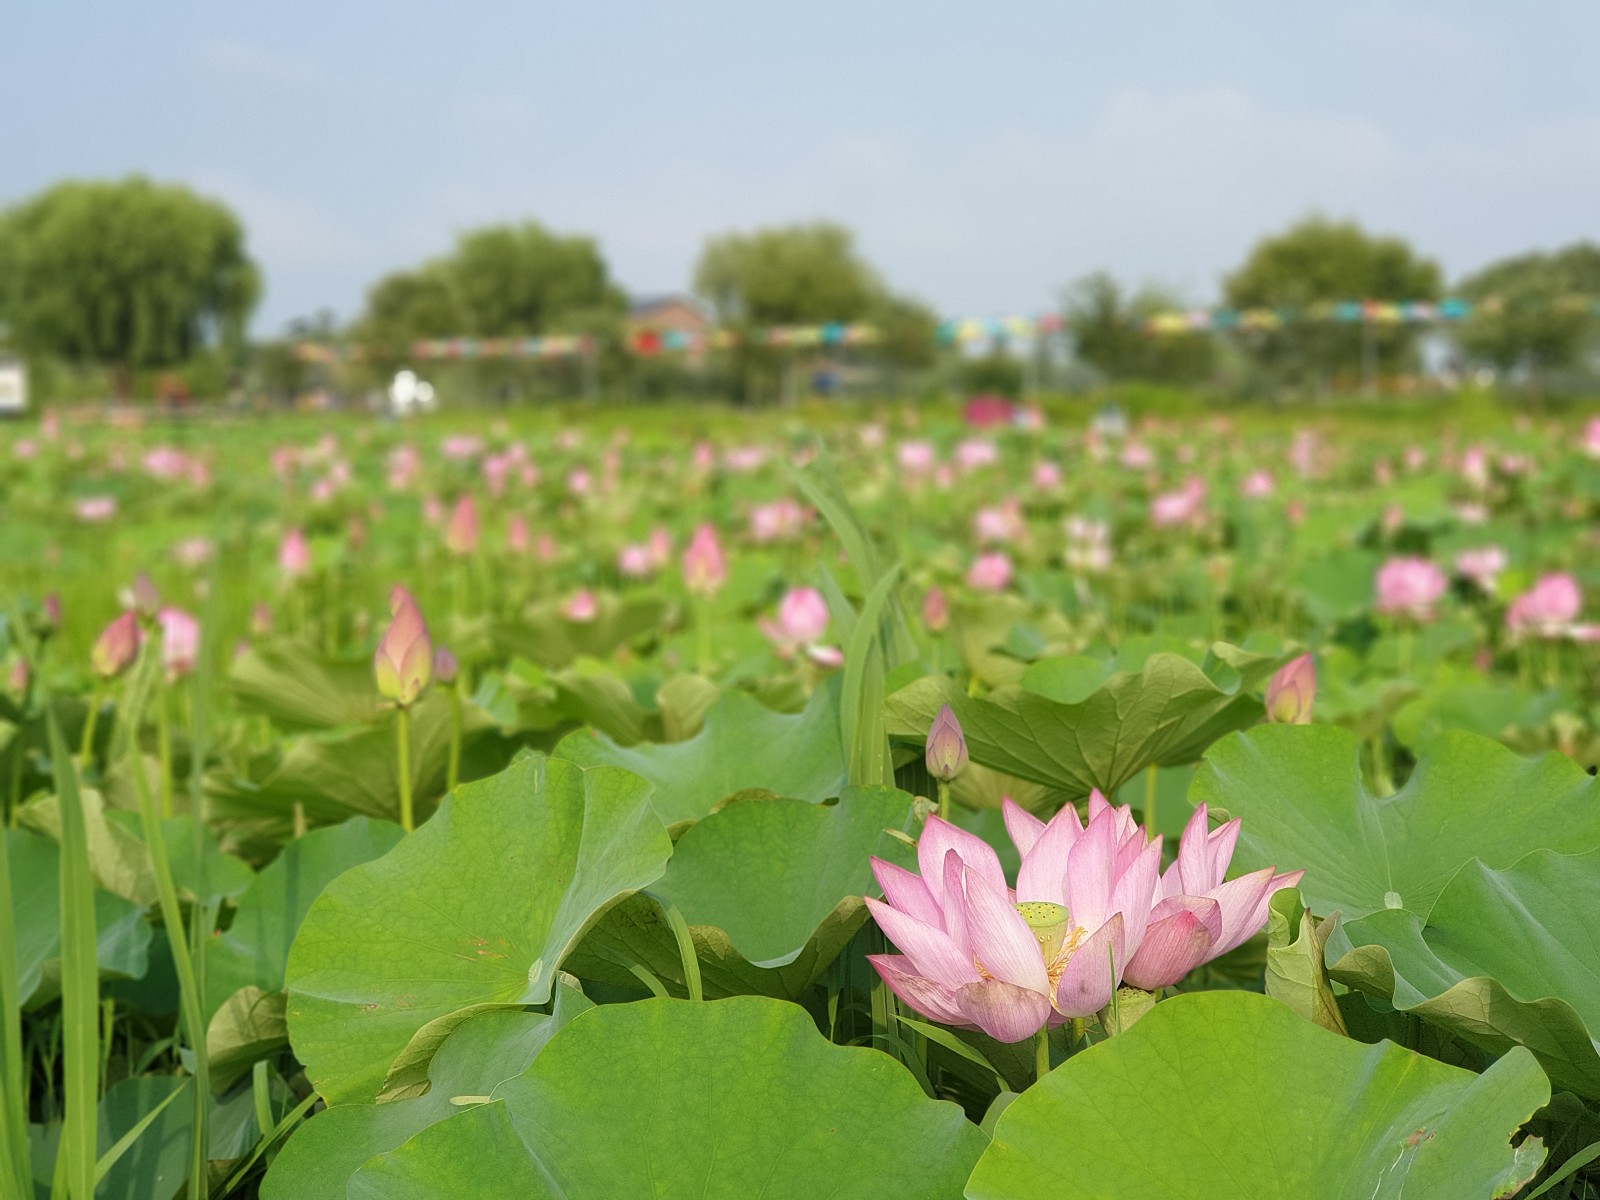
(180, 642)
(945, 751)
(935, 610)
(1591, 437)
(1136, 456)
(461, 535)
(581, 607)
(1001, 523)
(915, 458)
(705, 569)
(294, 554)
(95, 510)
(990, 572)
(1090, 909)
(1046, 476)
(1291, 691)
(1549, 609)
(1409, 587)
(802, 620)
(1181, 507)
(461, 446)
(1482, 566)
(116, 647)
(975, 453)
(403, 664)
(780, 521)
(634, 561)
(1256, 485)
(445, 666)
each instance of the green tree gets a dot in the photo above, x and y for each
(1108, 332)
(1320, 262)
(124, 275)
(1534, 312)
(793, 275)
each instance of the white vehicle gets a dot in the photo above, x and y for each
(13, 386)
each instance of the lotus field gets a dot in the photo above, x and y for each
(883, 803)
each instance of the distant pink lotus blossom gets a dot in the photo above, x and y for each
(461, 446)
(744, 459)
(180, 642)
(1088, 545)
(581, 607)
(461, 535)
(975, 453)
(517, 539)
(1257, 485)
(990, 572)
(1000, 523)
(1409, 587)
(1181, 507)
(403, 663)
(1091, 909)
(1482, 566)
(193, 552)
(935, 610)
(1046, 476)
(915, 458)
(1591, 437)
(781, 520)
(405, 462)
(705, 569)
(24, 449)
(634, 561)
(1136, 456)
(579, 481)
(1475, 467)
(1291, 691)
(660, 546)
(117, 646)
(95, 510)
(800, 625)
(1549, 610)
(294, 554)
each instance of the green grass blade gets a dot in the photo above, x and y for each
(861, 701)
(125, 1143)
(80, 981)
(15, 1161)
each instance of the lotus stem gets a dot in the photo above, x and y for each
(402, 737)
(944, 800)
(1041, 1053)
(164, 751)
(702, 640)
(86, 747)
(453, 768)
(1150, 800)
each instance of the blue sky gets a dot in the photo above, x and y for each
(985, 154)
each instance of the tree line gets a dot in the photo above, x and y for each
(133, 276)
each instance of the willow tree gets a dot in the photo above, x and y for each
(124, 275)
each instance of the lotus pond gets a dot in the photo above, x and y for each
(885, 803)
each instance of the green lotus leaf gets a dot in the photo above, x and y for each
(482, 1052)
(548, 637)
(1220, 1095)
(741, 747)
(1085, 723)
(1300, 792)
(1505, 958)
(722, 1099)
(475, 909)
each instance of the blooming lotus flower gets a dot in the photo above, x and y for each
(1482, 566)
(1000, 523)
(1257, 485)
(294, 555)
(990, 572)
(180, 642)
(461, 535)
(634, 561)
(1549, 609)
(1046, 476)
(946, 748)
(1181, 507)
(802, 620)
(915, 458)
(1409, 587)
(116, 647)
(403, 664)
(975, 453)
(780, 521)
(1090, 909)
(705, 569)
(1291, 690)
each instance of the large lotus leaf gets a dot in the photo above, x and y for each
(337, 774)
(770, 888)
(548, 637)
(483, 1052)
(1458, 701)
(1222, 1095)
(253, 949)
(768, 872)
(124, 935)
(741, 747)
(1508, 957)
(725, 1099)
(299, 689)
(476, 908)
(1339, 585)
(1300, 792)
(1080, 724)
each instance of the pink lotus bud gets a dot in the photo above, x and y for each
(445, 666)
(180, 642)
(705, 569)
(17, 678)
(935, 610)
(803, 615)
(261, 619)
(294, 555)
(1548, 609)
(50, 615)
(1291, 690)
(461, 535)
(403, 664)
(117, 647)
(946, 751)
(990, 572)
(581, 607)
(517, 539)
(146, 600)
